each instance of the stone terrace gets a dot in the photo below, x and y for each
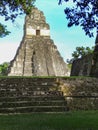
(25, 95)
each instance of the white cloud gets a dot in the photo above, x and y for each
(7, 51)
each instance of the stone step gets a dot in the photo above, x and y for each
(32, 103)
(29, 109)
(30, 98)
(33, 95)
(30, 93)
(24, 81)
(29, 87)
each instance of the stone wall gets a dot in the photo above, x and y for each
(79, 93)
(94, 69)
(82, 66)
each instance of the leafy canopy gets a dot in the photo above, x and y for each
(83, 13)
(10, 9)
(80, 52)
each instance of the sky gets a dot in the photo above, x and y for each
(66, 39)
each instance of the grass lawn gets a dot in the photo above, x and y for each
(80, 120)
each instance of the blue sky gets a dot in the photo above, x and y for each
(66, 39)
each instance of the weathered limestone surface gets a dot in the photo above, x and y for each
(27, 94)
(37, 54)
(82, 66)
(80, 93)
(94, 69)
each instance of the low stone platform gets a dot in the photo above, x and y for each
(24, 95)
(27, 94)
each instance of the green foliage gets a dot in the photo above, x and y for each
(42, 77)
(10, 9)
(83, 13)
(80, 52)
(69, 66)
(3, 68)
(3, 31)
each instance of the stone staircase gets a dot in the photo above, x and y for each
(25, 95)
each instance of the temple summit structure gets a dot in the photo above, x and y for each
(37, 54)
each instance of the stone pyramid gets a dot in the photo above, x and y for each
(37, 55)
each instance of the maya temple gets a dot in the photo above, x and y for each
(37, 54)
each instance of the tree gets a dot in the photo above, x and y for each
(3, 68)
(83, 13)
(80, 52)
(10, 9)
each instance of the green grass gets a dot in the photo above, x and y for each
(80, 120)
(31, 76)
(66, 77)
